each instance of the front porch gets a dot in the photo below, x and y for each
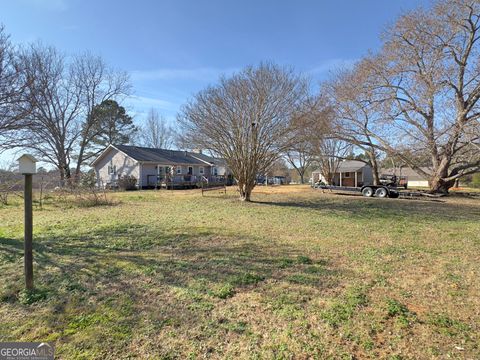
(182, 181)
(348, 178)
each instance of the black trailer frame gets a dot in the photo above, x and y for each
(381, 191)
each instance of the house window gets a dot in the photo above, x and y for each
(215, 171)
(179, 170)
(168, 170)
(112, 169)
(190, 170)
(346, 175)
(202, 170)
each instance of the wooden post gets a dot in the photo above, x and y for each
(340, 178)
(28, 256)
(356, 179)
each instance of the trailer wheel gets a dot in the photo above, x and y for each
(381, 192)
(367, 191)
(393, 195)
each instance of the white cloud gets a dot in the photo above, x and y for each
(200, 74)
(144, 102)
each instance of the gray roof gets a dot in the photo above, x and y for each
(209, 159)
(163, 156)
(408, 172)
(351, 165)
(348, 166)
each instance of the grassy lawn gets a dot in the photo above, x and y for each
(296, 274)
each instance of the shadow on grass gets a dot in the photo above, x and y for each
(100, 288)
(131, 257)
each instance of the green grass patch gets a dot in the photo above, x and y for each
(343, 309)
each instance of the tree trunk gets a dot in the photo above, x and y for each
(440, 186)
(245, 190)
(302, 181)
(79, 163)
(376, 176)
(62, 176)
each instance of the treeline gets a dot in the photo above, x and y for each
(415, 101)
(64, 109)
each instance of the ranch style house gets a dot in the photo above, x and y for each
(154, 168)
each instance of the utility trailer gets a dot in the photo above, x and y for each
(381, 191)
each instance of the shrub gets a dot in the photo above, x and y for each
(127, 182)
(476, 180)
(88, 180)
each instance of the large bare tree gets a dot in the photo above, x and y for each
(245, 120)
(428, 74)
(13, 93)
(62, 98)
(56, 107)
(357, 118)
(156, 132)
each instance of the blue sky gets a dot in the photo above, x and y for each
(175, 48)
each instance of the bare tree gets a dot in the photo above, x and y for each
(304, 126)
(330, 153)
(56, 107)
(62, 97)
(300, 158)
(156, 132)
(245, 120)
(358, 118)
(98, 83)
(13, 84)
(429, 71)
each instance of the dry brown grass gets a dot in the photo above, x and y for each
(296, 274)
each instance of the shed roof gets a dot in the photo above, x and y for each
(408, 172)
(29, 157)
(349, 166)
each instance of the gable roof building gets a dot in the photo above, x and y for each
(150, 165)
(351, 173)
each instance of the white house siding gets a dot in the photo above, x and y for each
(148, 169)
(221, 170)
(417, 183)
(125, 166)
